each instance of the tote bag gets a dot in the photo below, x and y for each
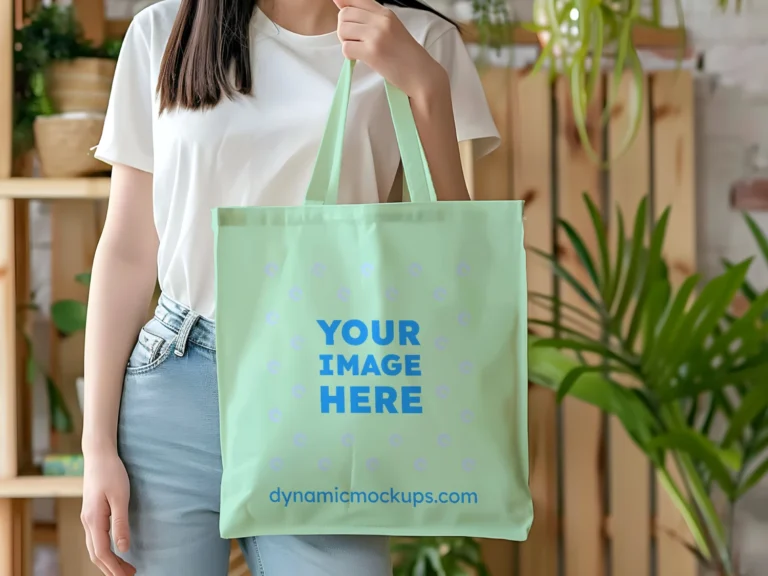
(372, 358)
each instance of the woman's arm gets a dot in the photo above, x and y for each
(122, 282)
(373, 34)
(433, 112)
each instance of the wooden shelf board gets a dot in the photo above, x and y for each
(42, 487)
(643, 37)
(55, 188)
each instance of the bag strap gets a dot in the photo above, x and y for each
(324, 184)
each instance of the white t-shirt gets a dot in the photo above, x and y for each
(260, 149)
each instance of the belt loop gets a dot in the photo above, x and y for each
(183, 336)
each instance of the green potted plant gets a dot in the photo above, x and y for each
(690, 361)
(68, 316)
(444, 556)
(576, 33)
(60, 418)
(61, 90)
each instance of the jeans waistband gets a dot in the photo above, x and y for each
(188, 325)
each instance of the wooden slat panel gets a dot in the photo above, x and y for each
(630, 179)
(6, 538)
(23, 295)
(22, 513)
(499, 556)
(673, 136)
(8, 458)
(532, 182)
(492, 173)
(490, 180)
(582, 424)
(6, 80)
(73, 242)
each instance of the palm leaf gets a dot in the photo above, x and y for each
(565, 275)
(602, 242)
(584, 344)
(719, 462)
(618, 270)
(651, 277)
(753, 479)
(754, 403)
(759, 236)
(633, 273)
(581, 252)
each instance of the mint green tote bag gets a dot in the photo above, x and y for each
(372, 358)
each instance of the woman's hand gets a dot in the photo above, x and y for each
(105, 506)
(371, 33)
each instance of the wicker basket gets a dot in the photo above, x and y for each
(64, 144)
(80, 85)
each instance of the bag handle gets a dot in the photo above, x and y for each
(324, 184)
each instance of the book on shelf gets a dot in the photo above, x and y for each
(63, 465)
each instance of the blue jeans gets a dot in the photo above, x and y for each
(168, 438)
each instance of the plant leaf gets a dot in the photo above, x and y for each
(759, 236)
(553, 303)
(434, 558)
(651, 276)
(569, 278)
(656, 303)
(585, 345)
(574, 375)
(636, 101)
(61, 421)
(698, 323)
(753, 479)
(630, 283)
(84, 278)
(750, 293)
(548, 367)
(655, 355)
(686, 511)
(619, 267)
(755, 402)
(68, 316)
(599, 227)
(703, 450)
(597, 52)
(582, 252)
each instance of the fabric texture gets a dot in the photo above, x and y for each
(372, 358)
(168, 438)
(258, 150)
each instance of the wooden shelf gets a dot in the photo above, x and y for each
(55, 188)
(643, 37)
(42, 487)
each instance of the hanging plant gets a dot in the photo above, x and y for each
(579, 36)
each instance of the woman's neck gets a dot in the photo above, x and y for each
(305, 17)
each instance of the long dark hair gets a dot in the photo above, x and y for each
(208, 53)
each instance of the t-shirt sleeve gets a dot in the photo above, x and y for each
(470, 106)
(127, 135)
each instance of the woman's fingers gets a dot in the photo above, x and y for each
(92, 554)
(368, 5)
(352, 32)
(351, 14)
(355, 50)
(101, 546)
(121, 536)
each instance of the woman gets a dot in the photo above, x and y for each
(223, 103)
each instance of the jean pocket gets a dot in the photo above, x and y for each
(153, 347)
